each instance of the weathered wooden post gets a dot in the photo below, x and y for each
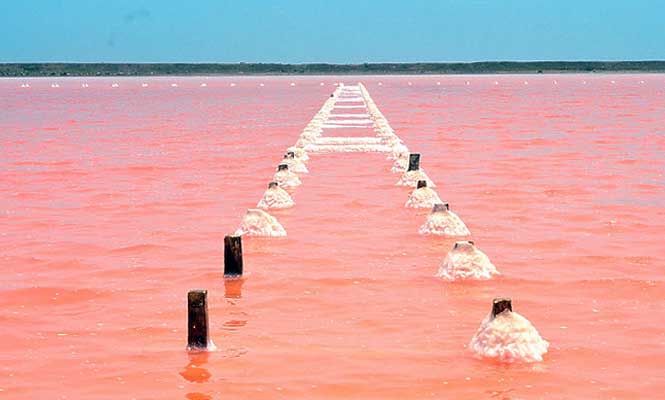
(232, 256)
(197, 320)
(272, 185)
(282, 167)
(414, 162)
(500, 305)
(440, 207)
(290, 154)
(421, 184)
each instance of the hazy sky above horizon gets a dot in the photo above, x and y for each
(340, 31)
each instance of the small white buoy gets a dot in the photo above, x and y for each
(321, 84)
(380, 84)
(144, 85)
(496, 82)
(613, 82)
(526, 82)
(261, 84)
(204, 85)
(174, 85)
(232, 84)
(293, 83)
(410, 83)
(438, 84)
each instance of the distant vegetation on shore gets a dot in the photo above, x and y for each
(488, 67)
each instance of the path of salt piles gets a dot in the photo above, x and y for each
(507, 337)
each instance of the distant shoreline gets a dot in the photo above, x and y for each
(192, 69)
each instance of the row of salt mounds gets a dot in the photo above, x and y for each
(286, 178)
(422, 197)
(442, 221)
(466, 261)
(275, 197)
(294, 164)
(259, 223)
(508, 337)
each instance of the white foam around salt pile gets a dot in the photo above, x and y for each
(397, 150)
(466, 261)
(508, 337)
(423, 197)
(259, 223)
(275, 197)
(411, 178)
(444, 222)
(286, 178)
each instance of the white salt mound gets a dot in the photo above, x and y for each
(411, 178)
(423, 197)
(259, 223)
(275, 197)
(286, 178)
(444, 222)
(508, 337)
(466, 261)
(401, 163)
(295, 165)
(300, 154)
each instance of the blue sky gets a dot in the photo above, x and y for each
(339, 31)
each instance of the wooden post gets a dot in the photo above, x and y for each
(232, 256)
(290, 154)
(500, 305)
(197, 320)
(421, 184)
(272, 185)
(414, 162)
(440, 207)
(282, 167)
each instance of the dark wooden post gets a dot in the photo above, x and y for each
(197, 319)
(414, 162)
(500, 305)
(290, 154)
(282, 167)
(232, 256)
(421, 184)
(272, 185)
(440, 207)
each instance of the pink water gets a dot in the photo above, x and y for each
(114, 202)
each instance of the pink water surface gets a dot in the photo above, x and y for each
(114, 202)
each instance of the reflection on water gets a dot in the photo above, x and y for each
(233, 288)
(194, 371)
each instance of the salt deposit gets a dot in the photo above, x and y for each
(411, 178)
(401, 163)
(423, 197)
(299, 153)
(286, 178)
(259, 223)
(466, 261)
(442, 221)
(508, 337)
(295, 165)
(275, 197)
